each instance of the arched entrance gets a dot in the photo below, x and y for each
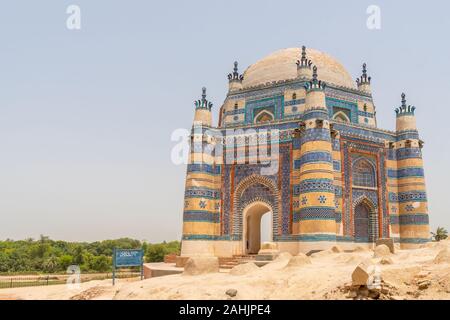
(365, 222)
(255, 196)
(252, 235)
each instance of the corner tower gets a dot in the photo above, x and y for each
(316, 214)
(202, 188)
(412, 199)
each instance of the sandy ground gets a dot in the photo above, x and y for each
(92, 290)
(327, 277)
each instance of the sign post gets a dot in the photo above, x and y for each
(127, 258)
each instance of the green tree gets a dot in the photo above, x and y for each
(78, 255)
(87, 261)
(65, 261)
(174, 247)
(51, 264)
(156, 252)
(440, 234)
(46, 255)
(42, 247)
(100, 263)
(144, 246)
(19, 261)
(4, 262)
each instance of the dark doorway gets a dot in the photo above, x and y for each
(361, 215)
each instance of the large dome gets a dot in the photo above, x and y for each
(281, 65)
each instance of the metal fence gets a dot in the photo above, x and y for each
(52, 279)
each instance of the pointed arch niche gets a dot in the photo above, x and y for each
(364, 173)
(365, 220)
(341, 117)
(264, 116)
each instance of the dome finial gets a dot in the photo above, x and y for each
(304, 62)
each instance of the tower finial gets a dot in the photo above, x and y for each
(315, 84)
(203, 103)
(304, 62)
(235, 76)
(403, 100)
(314, 73)
(404, 108)
(203, 93)
(364, 79)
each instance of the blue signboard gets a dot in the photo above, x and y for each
(128, 257)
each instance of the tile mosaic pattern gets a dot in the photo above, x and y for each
(275, 104)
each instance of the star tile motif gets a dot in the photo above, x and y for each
(322, 199)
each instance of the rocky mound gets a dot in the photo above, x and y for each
(243, 269)
(201, 265)
(299, 260)
(381, 251)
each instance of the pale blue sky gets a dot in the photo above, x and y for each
(86, 116)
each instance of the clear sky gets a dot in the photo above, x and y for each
(86, 115)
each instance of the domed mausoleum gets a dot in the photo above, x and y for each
(297, 139)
